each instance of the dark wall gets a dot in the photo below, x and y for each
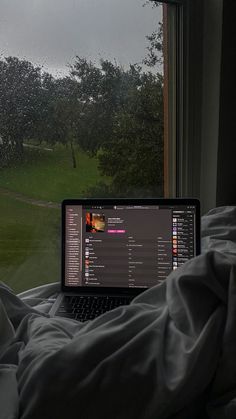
(226, 167)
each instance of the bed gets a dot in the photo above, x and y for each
(170, 354)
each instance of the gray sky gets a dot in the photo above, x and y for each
(52, 32)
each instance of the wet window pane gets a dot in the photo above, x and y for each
(81, 114)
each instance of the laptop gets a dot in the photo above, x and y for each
(114, 249)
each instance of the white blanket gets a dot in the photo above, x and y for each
(170, 354)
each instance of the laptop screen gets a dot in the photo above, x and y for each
(126, 243)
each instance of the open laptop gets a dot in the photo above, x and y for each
(114, 249)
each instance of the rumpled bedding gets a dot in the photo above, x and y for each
(170, 354)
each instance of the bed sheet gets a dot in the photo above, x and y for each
(170, 354)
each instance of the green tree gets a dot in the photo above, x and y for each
(20, 84)
(60, 113)
(102, 92)
(155, 47)
(122, 121)
(134, 156)
(45, 129)
(67, 115)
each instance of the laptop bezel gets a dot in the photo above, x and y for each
(118, 201)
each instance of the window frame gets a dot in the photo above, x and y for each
(182, 97)
(194, 52)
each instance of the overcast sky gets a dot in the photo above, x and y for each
(52, 32)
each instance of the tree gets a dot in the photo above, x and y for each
(60, 112)
(102, 91)
(134, 156)
(122, 121)
(67, 114)
(45, 129)
(155, 47)
(20, 84)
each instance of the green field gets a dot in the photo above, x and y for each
(49, 175)
(30, 234)
(29, 244)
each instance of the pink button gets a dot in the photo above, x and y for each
(116, 231)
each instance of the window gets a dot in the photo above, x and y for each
(83, 90)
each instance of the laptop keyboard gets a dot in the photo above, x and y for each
(87, 307)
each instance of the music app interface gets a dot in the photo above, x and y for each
(126, 246)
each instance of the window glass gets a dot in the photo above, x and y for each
(81, 114)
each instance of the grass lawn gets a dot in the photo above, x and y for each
(29, 244)
(30, 235)
(49, 175)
